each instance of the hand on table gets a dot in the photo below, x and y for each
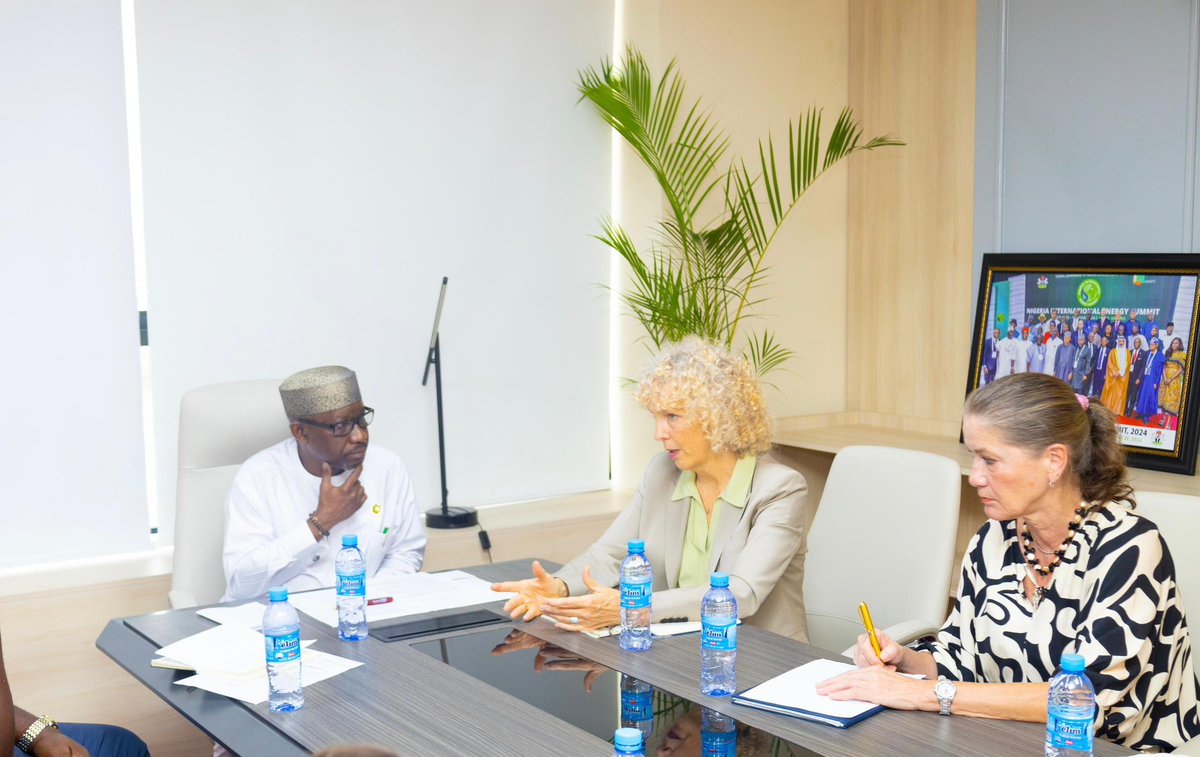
(531, 593)
(517, 641)
(52, 743)
(879, 685)
(598, 610)
(337, 503)
(550, 657)
(864, 653)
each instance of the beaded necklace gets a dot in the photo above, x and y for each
(1030, 548)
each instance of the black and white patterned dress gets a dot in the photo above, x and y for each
(1113, 600)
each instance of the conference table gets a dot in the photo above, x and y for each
(549, 693)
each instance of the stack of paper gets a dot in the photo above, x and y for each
(795, 693)
(229, 660)
(396, 597)
(249, 615)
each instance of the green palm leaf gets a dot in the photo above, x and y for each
(764, 353)
(701, 279)
(683, 159)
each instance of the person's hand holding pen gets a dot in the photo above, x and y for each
(864, 652)
(874, 647)
(879, 661)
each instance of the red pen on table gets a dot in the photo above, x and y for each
(378, 601)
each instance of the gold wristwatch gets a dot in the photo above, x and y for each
(35, 730)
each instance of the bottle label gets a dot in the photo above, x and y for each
(636, 706)
(635, 596)
(719, 638)
(352, 586)
(718, 744)
(1069, 733)
(283, 648)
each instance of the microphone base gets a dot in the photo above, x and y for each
(452, 517)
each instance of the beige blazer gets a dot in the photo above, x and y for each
(761, 547)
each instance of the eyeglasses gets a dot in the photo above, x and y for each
(343, 428)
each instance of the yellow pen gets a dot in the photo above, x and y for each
(866, 619)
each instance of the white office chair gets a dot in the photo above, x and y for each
(220, 426)
(885, 534)
(1178, 519)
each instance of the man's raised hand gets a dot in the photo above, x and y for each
(337, 503)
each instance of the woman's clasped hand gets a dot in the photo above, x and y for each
(547, 596)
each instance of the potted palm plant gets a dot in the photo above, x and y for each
(700, 277)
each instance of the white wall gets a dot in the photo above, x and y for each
(1087, 127)
(73, 445)
(313, 169)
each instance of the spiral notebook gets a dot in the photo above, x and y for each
(794, 693)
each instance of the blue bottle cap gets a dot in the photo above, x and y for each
(278, 594)
(627, 737)
(637, 547)
(349, 540)
(720, 580)
(1073, 663)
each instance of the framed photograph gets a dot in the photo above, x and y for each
(1117, 328)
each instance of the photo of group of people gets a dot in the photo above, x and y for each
(1120, 340)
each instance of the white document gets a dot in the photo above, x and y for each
(673, 629)
(657, 630)
(249, 615)
(797, 690)
(251, 686)
(170, 664)
(225, 648)
(399, 596)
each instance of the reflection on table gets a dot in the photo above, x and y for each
(598, 699)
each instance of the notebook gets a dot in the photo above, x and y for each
(794, 693)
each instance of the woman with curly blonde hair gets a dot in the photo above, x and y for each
(713, 500)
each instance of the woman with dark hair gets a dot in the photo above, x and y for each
(1170, 391)
(1063, 565)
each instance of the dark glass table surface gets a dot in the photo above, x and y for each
(591, 696)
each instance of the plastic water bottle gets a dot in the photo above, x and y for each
(351, 571)
(718, 639)
(281, 631)
(718, 734)
(637, 578)
(627, 742)
(637, 705)
(1070, 711)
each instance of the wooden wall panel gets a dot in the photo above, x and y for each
(909, 293)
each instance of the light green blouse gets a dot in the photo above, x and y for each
(697, 539)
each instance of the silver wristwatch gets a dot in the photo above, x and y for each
(944, 691)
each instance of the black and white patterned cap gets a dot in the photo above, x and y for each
(319, 390)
